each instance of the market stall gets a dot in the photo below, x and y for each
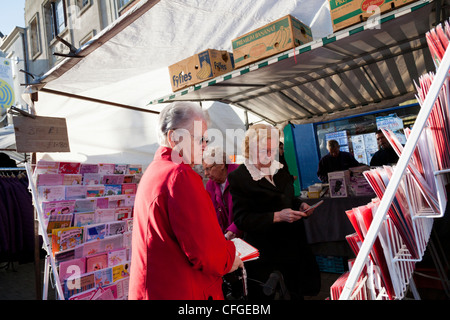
(338, 76)
(107, 85)
(359, 69)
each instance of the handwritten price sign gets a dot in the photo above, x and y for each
(42, 134)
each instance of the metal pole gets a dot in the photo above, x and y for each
(385, 203)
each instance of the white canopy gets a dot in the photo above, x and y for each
(127, 64)
(113, 90)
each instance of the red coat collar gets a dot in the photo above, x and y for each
(163, 153)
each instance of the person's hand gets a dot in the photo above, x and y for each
(288, 215)
(236, 264)
(304, 208)
(230, 235)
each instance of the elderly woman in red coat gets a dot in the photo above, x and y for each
(178, 249)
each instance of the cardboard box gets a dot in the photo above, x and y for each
(275, 37)
(345, 13)
(315, 188)
(200, 67)
(313, 194)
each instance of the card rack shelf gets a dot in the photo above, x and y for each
(49, 261)
(115, 206)
(400, 262)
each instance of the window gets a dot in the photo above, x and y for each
(35, 43)
(87, 38)
(121, 4)
(83, 3)
(58, 17)
(361, 125)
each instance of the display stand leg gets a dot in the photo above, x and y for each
(47, 244)
(37, 249)
(413, 288)
(442, 270)
(46, 278)
(37, 259)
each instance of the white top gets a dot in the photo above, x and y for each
(268, 173)
(222, 186)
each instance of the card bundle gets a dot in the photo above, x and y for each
(362, 290)
(437, 132)
(244, 250)
(427, 191)
(399, 211)
(359, 293)
(438, 121)
(438, 40)
(361, 219)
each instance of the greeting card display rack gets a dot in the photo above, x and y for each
(424, 196)
(108, 249)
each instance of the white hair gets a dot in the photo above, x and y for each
(178, 115)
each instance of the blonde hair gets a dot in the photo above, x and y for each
(256, 134)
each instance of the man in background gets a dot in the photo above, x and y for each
(386, 154)
(335, 160)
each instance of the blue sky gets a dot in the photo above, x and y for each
(11, 15)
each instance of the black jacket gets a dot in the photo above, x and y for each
(384, 157)
(328, 163)
(282, 245)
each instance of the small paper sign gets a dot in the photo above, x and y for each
(41, 134)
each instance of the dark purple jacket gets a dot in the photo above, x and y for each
(223, 204)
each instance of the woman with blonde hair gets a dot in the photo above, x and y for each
(266, 209)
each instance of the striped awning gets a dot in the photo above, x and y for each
(363, 68)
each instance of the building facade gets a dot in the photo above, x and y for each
(75, 21)
(35, 48)
(13, 51)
